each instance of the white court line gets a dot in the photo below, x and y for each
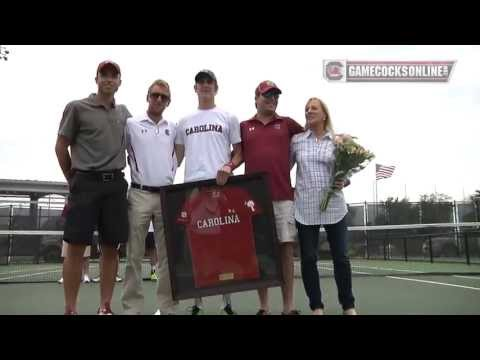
(468, 277)
(355, 272)
(17, 271)
(382, 268)
(390, 269)
(361, 272)
(434, 282)
(324, 268)
(33, 274)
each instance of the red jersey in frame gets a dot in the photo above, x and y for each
(220, 235)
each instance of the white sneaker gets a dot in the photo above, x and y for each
(166, 312)
(86, 279)
(60, 281)
(351, 311)
(118, 278)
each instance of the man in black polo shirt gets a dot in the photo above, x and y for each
(94, 129)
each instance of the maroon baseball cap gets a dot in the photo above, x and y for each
(106, 63)
(266, 86)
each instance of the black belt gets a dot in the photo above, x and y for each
(146, 188)
(103, 176)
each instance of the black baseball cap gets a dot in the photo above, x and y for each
(205, 74)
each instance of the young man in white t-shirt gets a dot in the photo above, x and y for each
(205, 138)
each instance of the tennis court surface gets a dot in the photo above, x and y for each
(380, 287)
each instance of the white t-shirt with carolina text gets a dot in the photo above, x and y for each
(207, 136)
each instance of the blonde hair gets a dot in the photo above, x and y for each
(159, 82)
(328, 120)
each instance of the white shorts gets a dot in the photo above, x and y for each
(64, 250)
(284, 212)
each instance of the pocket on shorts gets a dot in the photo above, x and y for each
(292, 229)
(290, 219)
(285, 220)
(73, 183)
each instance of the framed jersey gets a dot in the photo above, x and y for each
(220, 239)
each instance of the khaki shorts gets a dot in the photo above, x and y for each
(64, 250)
(285, 220)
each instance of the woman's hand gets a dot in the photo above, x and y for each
(339, 184)
(341, 138)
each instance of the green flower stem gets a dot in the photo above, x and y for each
(326, 200)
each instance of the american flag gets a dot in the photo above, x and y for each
(383, 171)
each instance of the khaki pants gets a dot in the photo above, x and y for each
(142, 207)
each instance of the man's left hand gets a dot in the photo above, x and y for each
(223, 174)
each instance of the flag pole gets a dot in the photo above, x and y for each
(376, 195)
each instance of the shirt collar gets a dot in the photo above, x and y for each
(147, 119)
(93, 101)
(275, 118)
(327, 135)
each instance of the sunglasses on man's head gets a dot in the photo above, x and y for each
(157, 95)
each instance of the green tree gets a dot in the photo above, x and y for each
(401, 211)
(436, 208)
(475, 197)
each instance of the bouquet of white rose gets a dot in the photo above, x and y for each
(350, 158)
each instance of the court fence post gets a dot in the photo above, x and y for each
(10, 236)
(405, 248)
(476, 205)
(384, 248)
(430, 247)
(365, 231)
(467, 250)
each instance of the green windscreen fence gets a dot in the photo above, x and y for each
(419, 249)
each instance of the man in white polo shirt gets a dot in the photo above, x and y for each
(153, 163)
(205, 138)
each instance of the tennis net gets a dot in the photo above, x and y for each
(423, 249)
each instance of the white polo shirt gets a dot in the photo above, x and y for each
(207, 136)
(150, 148)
